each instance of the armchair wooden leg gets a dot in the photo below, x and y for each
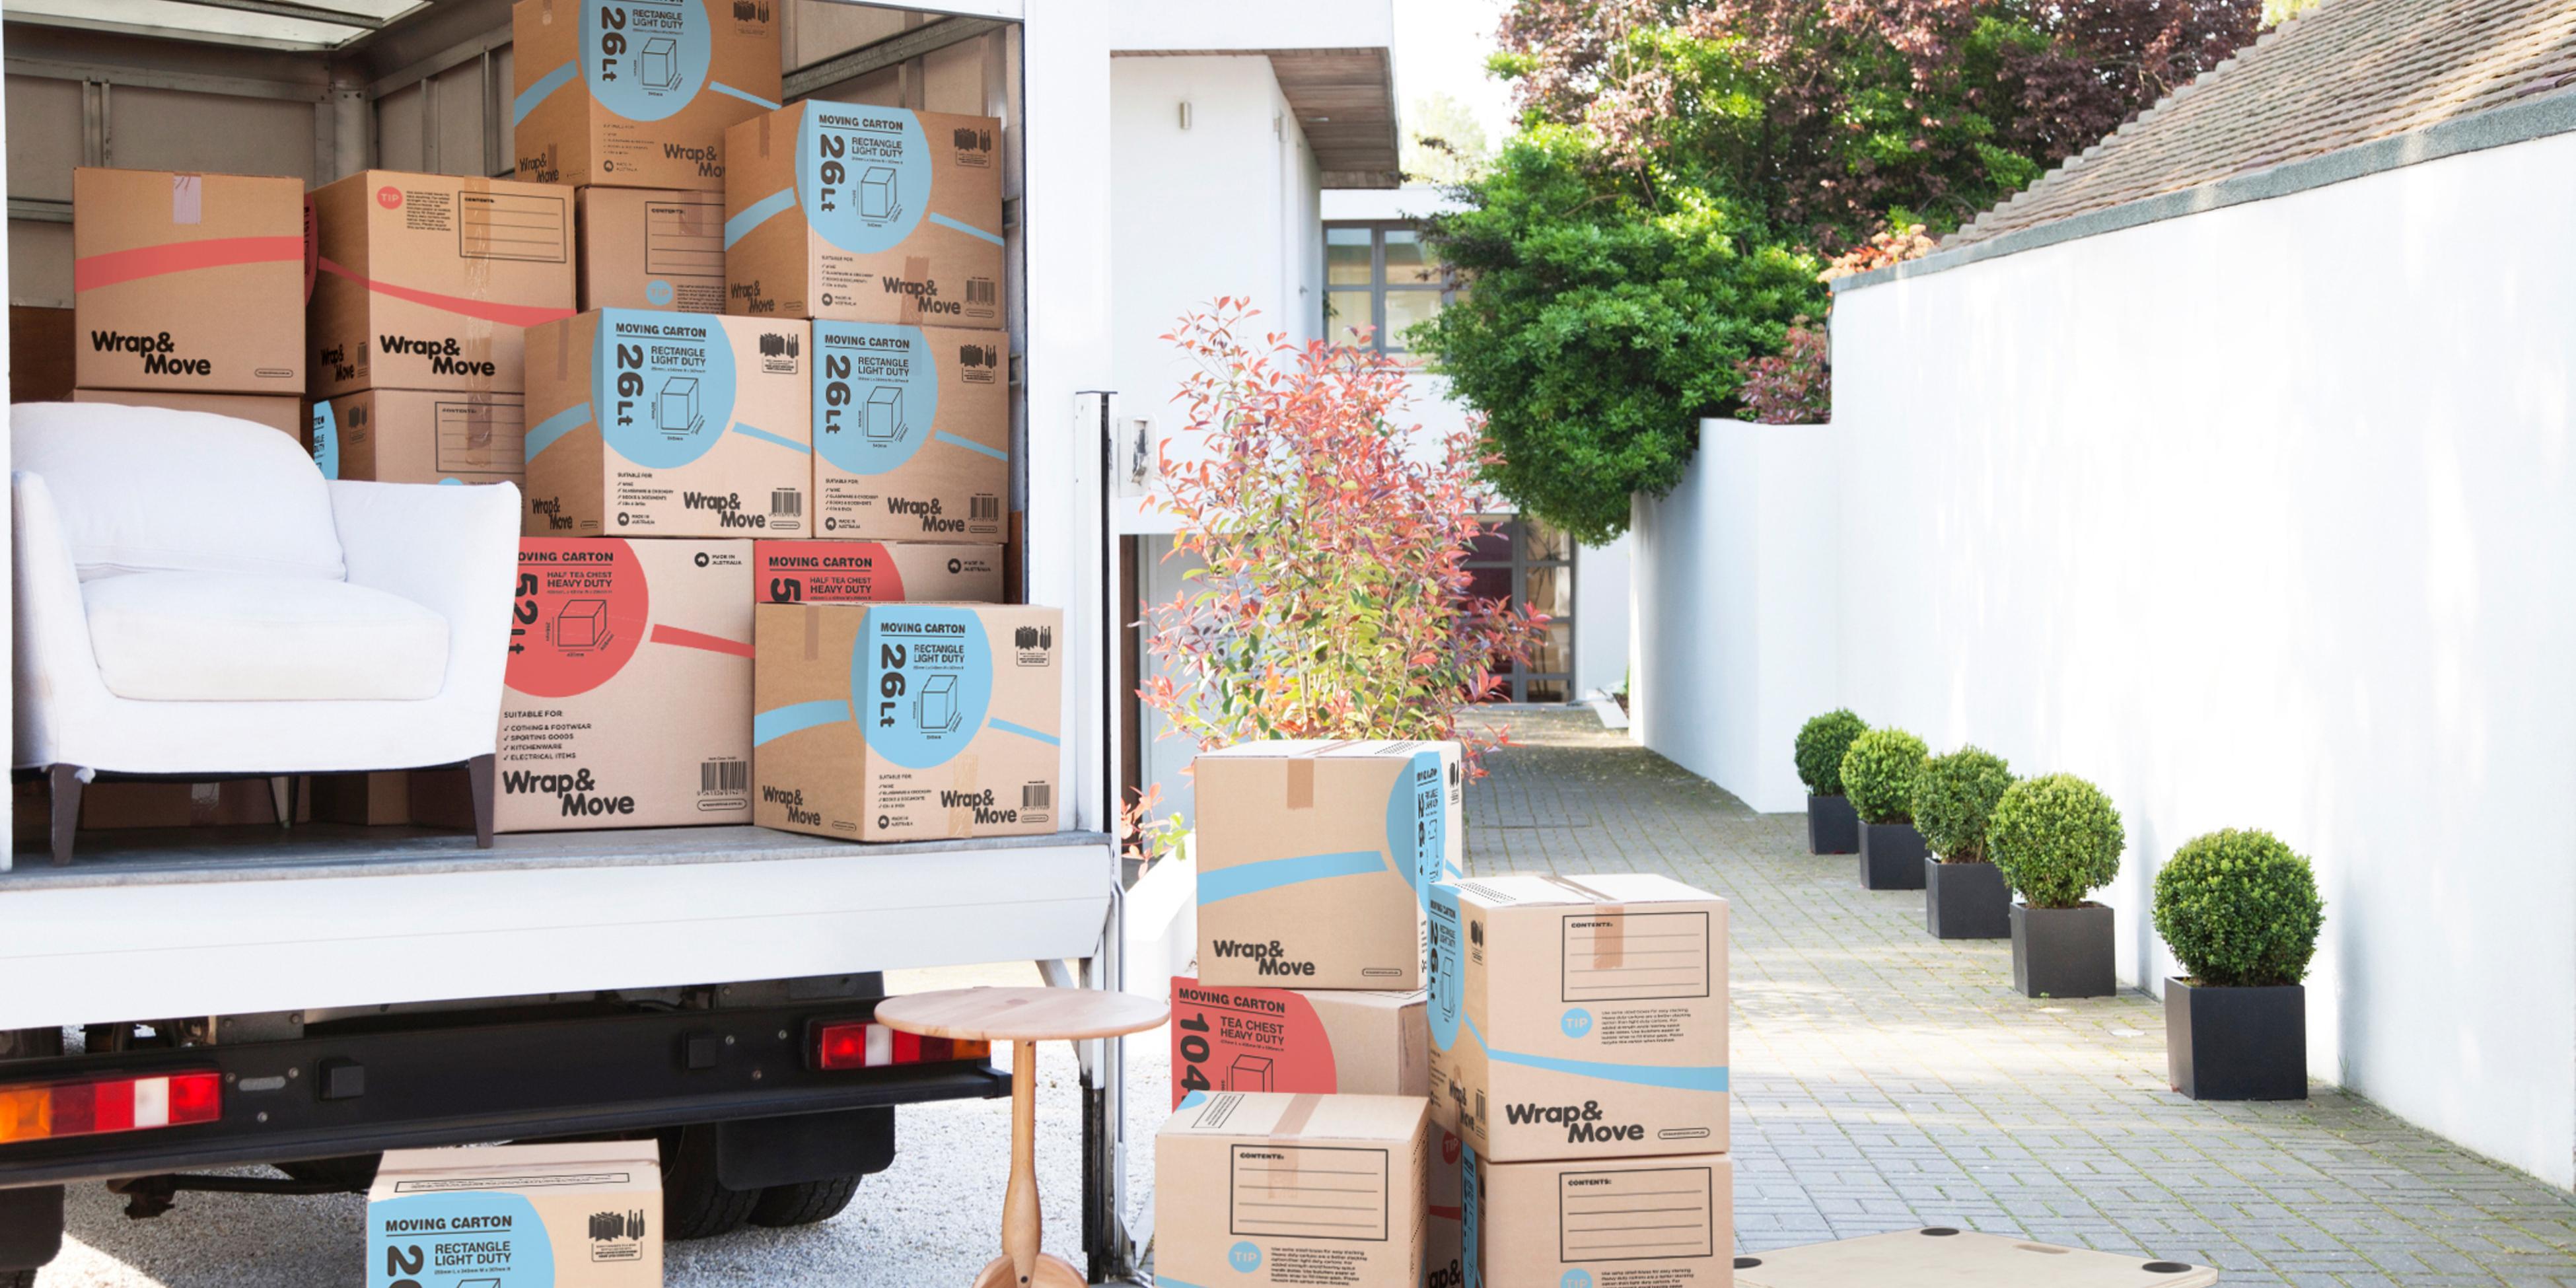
(63, 789)
(281, 793)
(478, 776)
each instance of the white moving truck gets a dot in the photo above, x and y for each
(308, 998)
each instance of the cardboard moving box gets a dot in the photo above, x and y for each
(415, 436)
(1578, 1017)
(428, 281)
(1314, 856)
(628, 695)
(1354, 1042)
(188, 281)
(1443, 1260)
(283, 414)
(1262, 1189)
(649, 424)
(850, 572)
(1668, 1222)
(644, 248)
(637, 92)
(865, 214)
(893, 722)
(912, 431)
(517, 1216)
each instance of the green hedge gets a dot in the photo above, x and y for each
(1954, 799)
(1821, 744)
(1878, 774)
(2057, 839)
(2239, 909)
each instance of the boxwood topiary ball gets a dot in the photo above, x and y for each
(1954, 797)
(2056, 838)
(1821, 744)
(1878, 774)
(2239, 909)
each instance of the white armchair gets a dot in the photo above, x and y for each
(193, 598)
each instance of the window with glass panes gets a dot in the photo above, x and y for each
(1532, 565)
(1379, 276)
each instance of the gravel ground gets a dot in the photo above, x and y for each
(933, 1218)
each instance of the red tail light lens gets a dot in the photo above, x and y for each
(97, 1106)
(857, 1044)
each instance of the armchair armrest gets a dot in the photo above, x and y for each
(54, 671)
(452, 549)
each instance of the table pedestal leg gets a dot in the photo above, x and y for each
(1021, 1265)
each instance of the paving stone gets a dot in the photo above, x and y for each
(1886, 1080)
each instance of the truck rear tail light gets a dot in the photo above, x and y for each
(97, 1106)
(860, 1045)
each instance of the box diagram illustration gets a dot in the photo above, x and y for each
(1250, 1073)
(939, 703)
(583, 623)
(660, 62)
(884, 416)
(878, 196)
(676, 408)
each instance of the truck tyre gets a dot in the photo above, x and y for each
(695, 1205)
(808, 1203)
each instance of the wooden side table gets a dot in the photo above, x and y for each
(1022, 1017)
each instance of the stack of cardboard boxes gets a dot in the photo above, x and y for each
(686, 450)
(1315, 862)
(1575, 1066)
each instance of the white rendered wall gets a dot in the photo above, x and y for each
(2266, 517)
(1225, 207)
(1735, 607)
(1601, 581)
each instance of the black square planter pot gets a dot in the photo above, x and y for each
(2063, 952)
(2237, 1043)
(1833, 826)
(1891, 857)
(1965, 901)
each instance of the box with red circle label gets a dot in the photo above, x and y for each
(901, 722)
(649, 424)
(854, 572)
(628, 696)
(1356, 1041)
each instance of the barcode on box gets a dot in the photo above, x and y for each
(1037, 796)
(979, 290)
(787, 500)
(1480, 1104)
(724, 776)
(984, 508)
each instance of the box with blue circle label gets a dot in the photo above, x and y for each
(846, 212)
(646, 424)
(1253, 1189)
(1578, 1017)
(637, 93)
(912, 432)
(585, 1215)
(904, 722)
(1316, 858)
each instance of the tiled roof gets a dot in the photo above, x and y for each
(2345, 73)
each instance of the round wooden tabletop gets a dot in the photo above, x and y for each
(1021, 1014)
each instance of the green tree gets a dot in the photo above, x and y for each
(1606, 314)
(1677, 158)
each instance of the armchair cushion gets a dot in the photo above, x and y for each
(149, 489)
(234, 637)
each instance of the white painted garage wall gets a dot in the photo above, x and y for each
(2263, 516)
